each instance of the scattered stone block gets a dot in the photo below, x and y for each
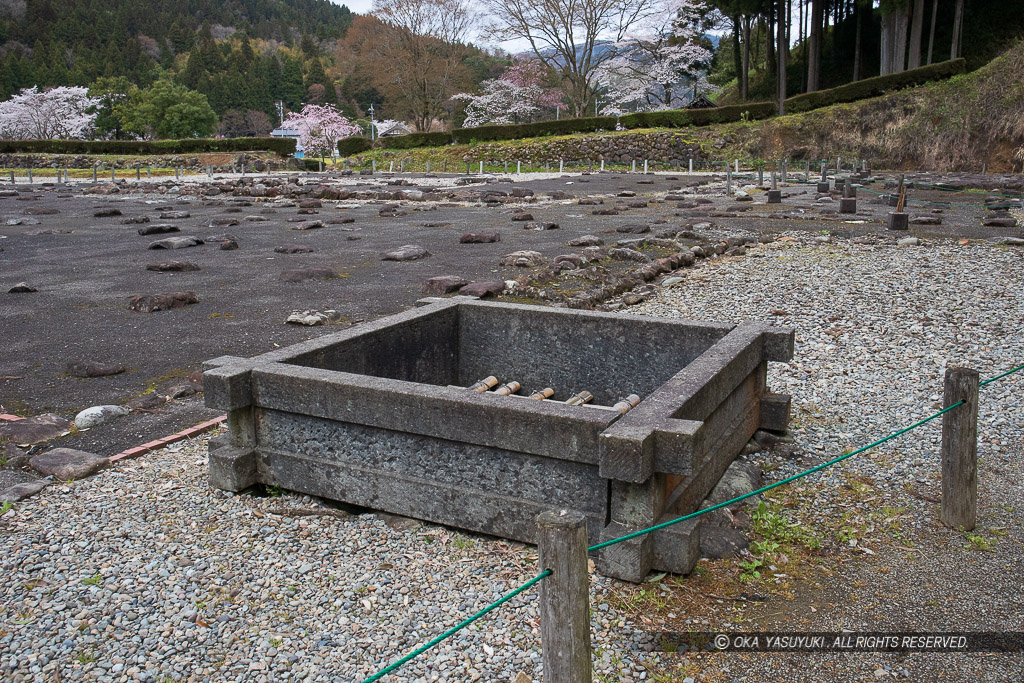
(480, 238)
(66, 464)
(847, 205)
(176, 243)
(228, 245)
(22, 288)
(34, 429)
(294, 249)
(407, 252)
(173, 267)
(309, 225)
(523, 259)
(444, 284)
(483, 290)
(174, 215)
(311, 318)
(633, 228)
(106, 213)
(898, 221)
(88, 368)
(150, 303)
(97, 415)
(522, 217)
(586, 241)
(24, 490)
(158, 229)
(541, 226)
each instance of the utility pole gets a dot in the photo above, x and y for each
(280, 111)
(371, 123)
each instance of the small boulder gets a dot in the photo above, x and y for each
(309, 225)
(407, 252)
(22, 288)
(311, 318)
(586, 241)
(226, 222)
(909, 242)
(523, 217)
(174, 215)
(97, 415)
(88, 368)
(304, 274)
(633, 228)
(25, 489)
(145, 402)
(34, 429)
(228, 245)
(444, 284)
(541, 226)
(483, 289)
(149, 303)
(294, 249)
(66, 463)
(523, 259)
(480, 238)
(158, 229)
(176, 243)
(106, 213)
(1000, 222)
(135, 220)
(173, 267)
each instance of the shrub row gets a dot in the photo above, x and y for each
(415, 140)
(873, 87)
(282, 146)
(677, 118)
(534, 130)
(353, 145)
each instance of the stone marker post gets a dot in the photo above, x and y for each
(774, 194)
(645, 166)
(481, 168)
(691, 164)
(29, 175)
(760, 176)
(728, 178)
(960, 450)
(634, 166)
(428, 165)
(519, 167)
(564, 597)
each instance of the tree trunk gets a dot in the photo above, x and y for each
(814, 58)
(916, 27)
(858, 18)
(958, 27)
(803, 42)
(931, 34)
(894, 41)
(769, 36)
(781, 87)
(737, 53)
(745, 72)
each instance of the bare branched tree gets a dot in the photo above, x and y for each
(421, 49)
(567, 35)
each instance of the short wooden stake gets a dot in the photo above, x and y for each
(960, 450)
(564, 597)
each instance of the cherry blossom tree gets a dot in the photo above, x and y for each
(56, 113)
(515, 97)
(659, 63)
(320, 127)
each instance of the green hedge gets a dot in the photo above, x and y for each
(516, 131)
(282, 146)
(353, 145)
(415, 140)
(873, 87)
(677, 118)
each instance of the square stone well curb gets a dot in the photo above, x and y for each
(377, 416)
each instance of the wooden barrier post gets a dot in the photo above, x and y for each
(960, 450)
(564, 597)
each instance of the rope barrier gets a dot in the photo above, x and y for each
(455, 629)
(547, 572)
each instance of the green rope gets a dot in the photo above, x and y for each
(998, 377)
(454, 629)
(776, 484)
(547, 572)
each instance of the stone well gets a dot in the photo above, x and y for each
(378, 416)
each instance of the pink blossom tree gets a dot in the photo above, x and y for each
(56, 113)
(320, 127)
(516, 96)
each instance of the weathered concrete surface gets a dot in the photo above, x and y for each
(379, 416)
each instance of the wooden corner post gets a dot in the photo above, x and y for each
(564, 597)
(960, 450)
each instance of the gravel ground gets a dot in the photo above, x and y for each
(145, 573)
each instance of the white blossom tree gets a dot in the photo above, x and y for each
(56, 113)
(659, 63)
(320, 127)
(515, 97)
